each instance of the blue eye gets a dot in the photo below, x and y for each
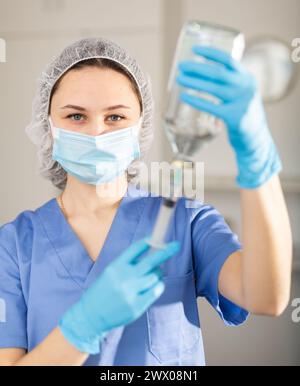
(114, 115)
(75, 117)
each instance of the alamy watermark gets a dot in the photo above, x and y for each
(296, 51)
(170, 180)
(2, 50)
(2, 311)
(296, 311)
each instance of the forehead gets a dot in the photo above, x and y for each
(96, 83)
(89, 76)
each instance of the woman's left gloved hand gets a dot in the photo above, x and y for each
(240, 108)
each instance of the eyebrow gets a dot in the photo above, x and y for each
(80, 108)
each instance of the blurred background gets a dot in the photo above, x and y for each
(35, 31)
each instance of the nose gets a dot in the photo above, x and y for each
(96, 127)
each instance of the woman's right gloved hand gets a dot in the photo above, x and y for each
(122, 293)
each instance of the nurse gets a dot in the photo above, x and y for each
(77, 280)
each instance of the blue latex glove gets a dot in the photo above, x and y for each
(240, 108)
(123, 292)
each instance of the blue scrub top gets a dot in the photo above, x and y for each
(44, 269)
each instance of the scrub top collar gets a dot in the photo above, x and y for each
(71, 251)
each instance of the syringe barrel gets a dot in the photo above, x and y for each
(162, 222)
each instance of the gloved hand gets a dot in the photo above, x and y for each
(123, 292)
(240, 108)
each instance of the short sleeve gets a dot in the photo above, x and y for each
(13, 309)
(213, 242)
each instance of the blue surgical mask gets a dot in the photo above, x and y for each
(96, 159)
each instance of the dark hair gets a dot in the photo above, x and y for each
(101, 63)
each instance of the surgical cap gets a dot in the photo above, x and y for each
(38, 129)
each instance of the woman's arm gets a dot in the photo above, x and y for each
(258, 278)
(55, 350)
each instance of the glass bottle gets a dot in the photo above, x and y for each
(189, 129)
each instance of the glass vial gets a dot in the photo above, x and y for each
(189, 129)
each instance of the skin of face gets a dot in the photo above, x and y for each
(94, 89)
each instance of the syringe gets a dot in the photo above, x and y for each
(168, 205)
(162, 222)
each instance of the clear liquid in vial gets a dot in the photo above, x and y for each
(187, 128)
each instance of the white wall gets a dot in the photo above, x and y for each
(36, 31)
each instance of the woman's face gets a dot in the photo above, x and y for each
(87, 100)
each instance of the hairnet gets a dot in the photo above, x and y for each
(38, 129)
